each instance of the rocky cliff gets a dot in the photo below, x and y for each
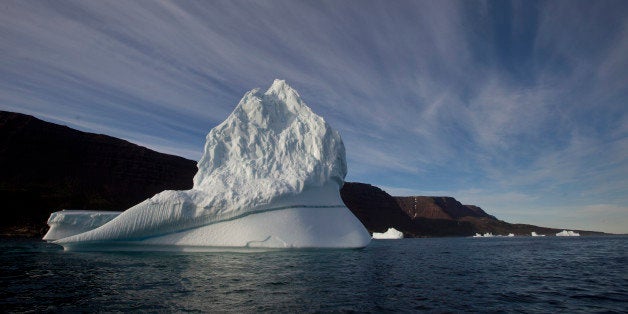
(378, 211)
(46, 167)
(427, 216)
(438, 207)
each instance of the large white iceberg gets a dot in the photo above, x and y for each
(391, 233)
(269, 176)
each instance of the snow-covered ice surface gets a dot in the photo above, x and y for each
(66, 223)
(270, 175)
(391, 233)
(567, 233)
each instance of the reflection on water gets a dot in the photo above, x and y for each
(522, 274)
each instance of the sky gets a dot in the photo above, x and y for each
(518, 107)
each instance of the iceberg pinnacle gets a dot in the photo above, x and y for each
(269, 176)
(273, 144)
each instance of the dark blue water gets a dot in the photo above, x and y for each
(586, 274)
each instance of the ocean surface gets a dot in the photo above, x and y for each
(521, 274)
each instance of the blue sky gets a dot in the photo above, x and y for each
(518, 107)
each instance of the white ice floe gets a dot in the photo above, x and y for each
(567, 233)
(485, 235)
(534, 234)
(491, 235)
(391, 233)
(269, 176)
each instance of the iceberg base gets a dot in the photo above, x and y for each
(298, 227)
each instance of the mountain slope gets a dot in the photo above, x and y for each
(378, 211)
(47, 167)
(438, 207)
(427, 216)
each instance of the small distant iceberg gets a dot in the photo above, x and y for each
(486, 235)
(511, 235)
(534, 234)
(567, 233)
(391, 233)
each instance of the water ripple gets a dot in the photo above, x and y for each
(526, 275)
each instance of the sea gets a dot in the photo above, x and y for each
(433, 275)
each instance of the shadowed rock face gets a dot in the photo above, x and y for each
(46, 167)
(438, 207)
(378, 211)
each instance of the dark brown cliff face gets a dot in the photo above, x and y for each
(421, 206)
(438, 207)
(427, 216)
(378, 211)
(46, 167)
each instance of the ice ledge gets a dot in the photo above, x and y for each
(324, 227)
(67, 223)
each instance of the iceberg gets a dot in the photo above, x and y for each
(391, 233)
(534, 234)
(511, 235)
(567, 233)
(269, 176)
(485, 235)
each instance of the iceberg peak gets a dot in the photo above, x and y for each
(272, 137)
(280, 87)
(273, 108)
